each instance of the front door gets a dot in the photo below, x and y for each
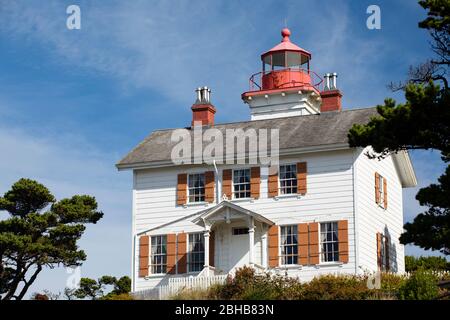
(239, 255)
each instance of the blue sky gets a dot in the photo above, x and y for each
(72, 102)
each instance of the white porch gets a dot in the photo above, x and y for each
(234, 237)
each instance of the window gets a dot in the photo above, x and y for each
(381, 192)
(384, 252)
(288, 179)
(289, 245)
(239, 231)
(196, 258)
(196, 188)
(159, 254)
(241, 183)
(329, 242)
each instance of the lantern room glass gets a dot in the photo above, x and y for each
(285, 59)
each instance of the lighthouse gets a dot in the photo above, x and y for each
(286, 86)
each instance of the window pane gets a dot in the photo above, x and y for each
(196, 187)
(241, 183)
(329, 241)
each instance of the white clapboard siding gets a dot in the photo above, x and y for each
(329, 197)
(371, 218)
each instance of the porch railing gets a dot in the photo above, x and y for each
(176, 285)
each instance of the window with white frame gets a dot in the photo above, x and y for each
(329, 242)
(289, 245)
(196, 187)
(196, 257)
(384, 247)
(288, 179)
(381, 192)
(241, 183)
(159, 254)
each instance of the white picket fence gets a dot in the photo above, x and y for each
(175, 285)
(439, 274)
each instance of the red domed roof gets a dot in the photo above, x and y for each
(286, 45)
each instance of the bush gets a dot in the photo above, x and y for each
(330, 287)
(246, 285)
(421, 285)
(428, 263)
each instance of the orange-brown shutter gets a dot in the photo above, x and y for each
(273, 185)
(226, 182)
(182, 189)
(314, 243)
(211, 248)
(209, 186)
(273, 246)
(386, 252)
(385, 193)
(301, 177)
(171, 253)
(144, 245)
(377, 188)
(181, 253)
(303, 243)
(343, 240)
(379, 262)
(255, 180)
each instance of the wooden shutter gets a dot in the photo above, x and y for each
(273, 246)
(211, 248)
(255, 181)
(386, 252)
(182, 189)
(301, 177)
(377, 188)
(181, 252)
(379, 261)
(343, 240)
(303, 243)
(385, 193)
(226, 182)
(144, 245)
(209, 186)
(314, 243)
(273, 185)
(171, 253)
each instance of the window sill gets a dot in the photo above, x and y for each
(243, 200)
(155, 275)
(289, 267)
(288, 196)
(330, 264)
(195, 204)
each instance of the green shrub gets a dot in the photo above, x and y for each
(421, 285)
(427, 263)
(331, 287)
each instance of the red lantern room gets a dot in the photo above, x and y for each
(285, 66)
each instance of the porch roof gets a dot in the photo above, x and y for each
(227, 204)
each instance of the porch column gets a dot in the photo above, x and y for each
(264, 248)
(206, 236)
(251, 242)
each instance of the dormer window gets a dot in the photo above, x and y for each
(241, 184)
(196, 187)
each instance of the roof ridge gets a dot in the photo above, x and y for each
(272, 119)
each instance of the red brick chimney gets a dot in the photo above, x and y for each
(331, 96)
(202, 110)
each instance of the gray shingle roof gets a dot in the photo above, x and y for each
(328, 128)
